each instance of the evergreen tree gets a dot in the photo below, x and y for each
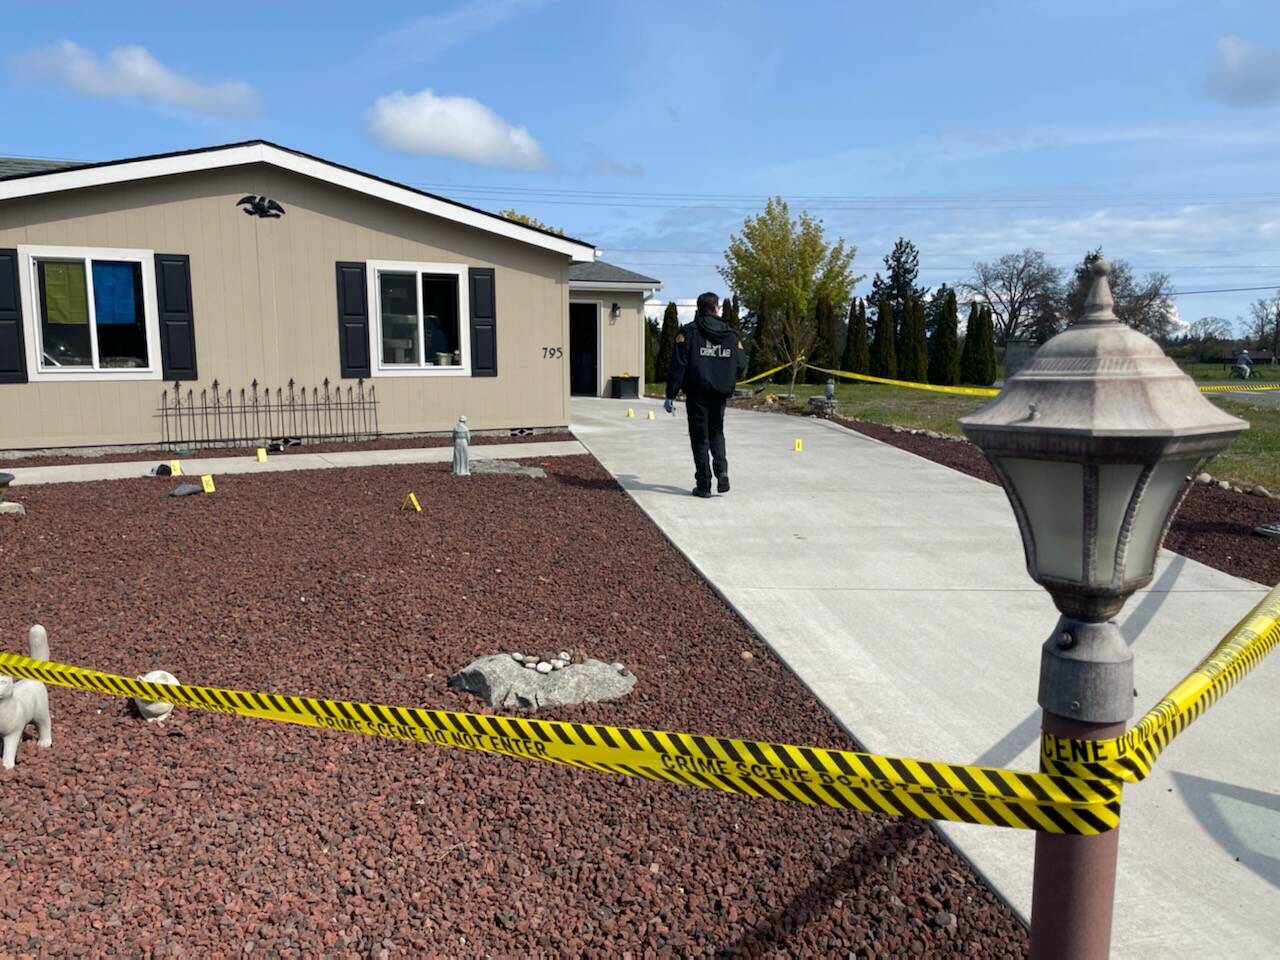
(944, 357)
(762, 351)
(884, 361)
(823, 352)
(667, 341)
(902, 265)
(913, 350)
(857, 354)
(988, 364)
(969, 372)
(729, 314)
(650, 350)
(934, 307)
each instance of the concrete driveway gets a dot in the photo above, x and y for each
(895, 589)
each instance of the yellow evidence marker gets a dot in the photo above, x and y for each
(799, 444)
(411, 501)
(262, 454)
(206, 483)
(175, 467)
(630, 412)
(649, 415)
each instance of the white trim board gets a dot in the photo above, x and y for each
(125, 171)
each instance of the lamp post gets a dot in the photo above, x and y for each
(1092, 441)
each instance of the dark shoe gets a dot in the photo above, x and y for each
(704, 492)
(722, 484)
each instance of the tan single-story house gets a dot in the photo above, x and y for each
(303, 288)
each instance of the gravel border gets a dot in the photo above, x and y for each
(206, 835)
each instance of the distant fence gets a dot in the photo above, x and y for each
(259, 416)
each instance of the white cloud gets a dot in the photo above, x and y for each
(1244, 75)
(453, 127)
(431, 35)
(132, 73)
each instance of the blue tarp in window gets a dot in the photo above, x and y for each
(114, 300)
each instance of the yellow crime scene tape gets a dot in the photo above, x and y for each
(972, 391)
(767, 373)
(1243, 388)
(897, 786)
(1131, 756)
(1078, 793)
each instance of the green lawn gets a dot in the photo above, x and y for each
(1220, 371)
(1254, 456)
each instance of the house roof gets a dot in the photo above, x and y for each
(53, 179)
(21, 166)
(602, 275)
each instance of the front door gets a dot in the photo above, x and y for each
(584, 346)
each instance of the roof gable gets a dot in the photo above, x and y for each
(38, 182)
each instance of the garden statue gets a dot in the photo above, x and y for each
(461, 437)
(25, 701)
(154, 709)
(831, 389)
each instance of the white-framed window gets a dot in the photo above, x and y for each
(420, 318)
(90, 313)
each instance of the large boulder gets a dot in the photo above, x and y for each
(502, 681)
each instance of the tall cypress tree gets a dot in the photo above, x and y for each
(823, 352)
(857, 353)
(729, 314)
(884, 360)
(913, 351)
(650, 350)
(762, 354)
(667, 341)
(944, 357)
(988, 364)
(969, 371)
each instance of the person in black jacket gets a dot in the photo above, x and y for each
(707, 361)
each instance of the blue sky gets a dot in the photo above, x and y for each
(651, 129)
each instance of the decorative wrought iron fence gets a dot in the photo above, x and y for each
(260, 416)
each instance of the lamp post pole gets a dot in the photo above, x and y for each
(1092, 441)
(1086, 693)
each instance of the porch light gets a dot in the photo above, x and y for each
(1092, 441)
(614, 313)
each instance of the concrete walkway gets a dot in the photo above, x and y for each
(895, 589)
(81, 472)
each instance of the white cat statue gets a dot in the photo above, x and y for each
(25, 701)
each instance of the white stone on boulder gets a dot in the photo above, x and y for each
(501, 682)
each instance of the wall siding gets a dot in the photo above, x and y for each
(265, 304)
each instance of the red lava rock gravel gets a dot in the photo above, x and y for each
(1212, 526)
(160, 456)
(213, 836)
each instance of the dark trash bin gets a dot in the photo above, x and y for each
(625, 388)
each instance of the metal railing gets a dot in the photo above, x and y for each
(260, 416)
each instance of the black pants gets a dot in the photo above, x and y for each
(706, 436)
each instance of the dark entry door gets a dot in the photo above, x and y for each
(584, 345)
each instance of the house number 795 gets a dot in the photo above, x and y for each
(552, 353)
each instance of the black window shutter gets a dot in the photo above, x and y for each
(13, 353)
(353, 321)
(484, 323)
(177, 319)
